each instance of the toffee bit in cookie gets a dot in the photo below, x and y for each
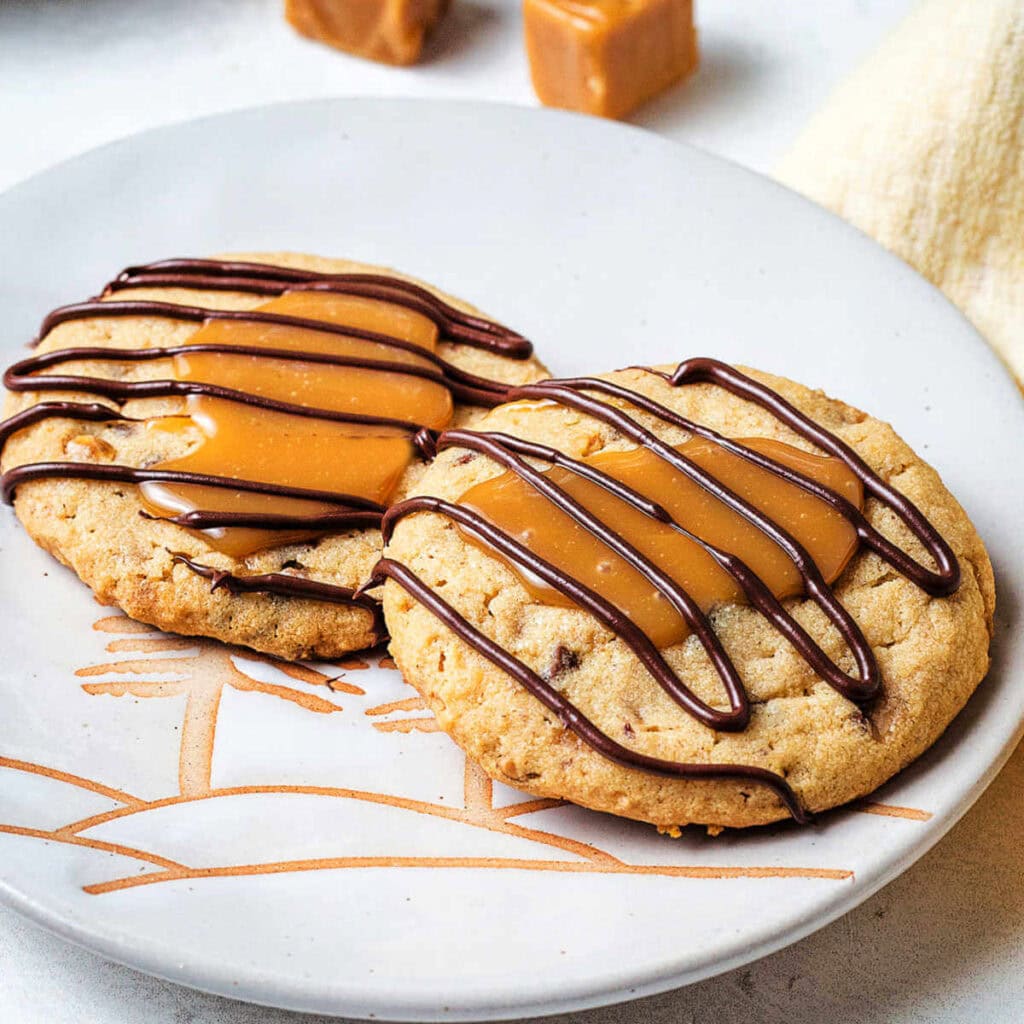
(562, 660)
(86, 446)
(862, 722)
(388, 31)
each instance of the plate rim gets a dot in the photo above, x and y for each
(155, 958)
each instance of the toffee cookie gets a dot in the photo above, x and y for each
(699, 594)
(211, 444)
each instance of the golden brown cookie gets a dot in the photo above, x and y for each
(162, 572)
(816, 719)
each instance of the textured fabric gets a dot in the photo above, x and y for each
(923, 148)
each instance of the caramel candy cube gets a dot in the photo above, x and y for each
(607, 56)
(389, 31)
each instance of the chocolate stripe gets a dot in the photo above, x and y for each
(738, 715)
(90, 411)
(283, 585)
(268, 279)
(591, 601)
(759, 595)
(327, 522)
(939, 584)
(134, 355)
(568, 714)
(564, 392)
(13, 478)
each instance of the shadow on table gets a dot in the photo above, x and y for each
(461, 30)
(729, 71)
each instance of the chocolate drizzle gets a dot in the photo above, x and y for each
(93, 412)
(265, 279)
(32, 375)
(589, 396)
(509, 452)
(939, 583)
(467, 386)
(11, 480)
(568, 714)
(464, 386)
(283, 585)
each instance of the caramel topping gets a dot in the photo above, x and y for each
(247, 443)
(514, 506)
(339, 388)
(607, 56)
(357, 311)
(302, 413)
(296, 451)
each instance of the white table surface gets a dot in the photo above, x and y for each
(941, 945)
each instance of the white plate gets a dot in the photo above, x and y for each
(341, 857)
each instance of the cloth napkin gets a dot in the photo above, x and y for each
(923, 148)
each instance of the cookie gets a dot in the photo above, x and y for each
(218, 439)
(702, 595)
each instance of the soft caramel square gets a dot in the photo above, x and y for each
(390, 31)
(607, 57)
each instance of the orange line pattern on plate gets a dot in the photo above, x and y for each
(489, 863)
(529, 806)
(892, 811)
(408, 704)
(94, 844)
(122, 624)
(145, 643)
(478, 813)
(201, 677)
(408, 725)
(118, 795)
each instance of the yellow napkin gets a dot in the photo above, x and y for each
(923, 148)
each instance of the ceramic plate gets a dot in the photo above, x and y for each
(301, 835)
